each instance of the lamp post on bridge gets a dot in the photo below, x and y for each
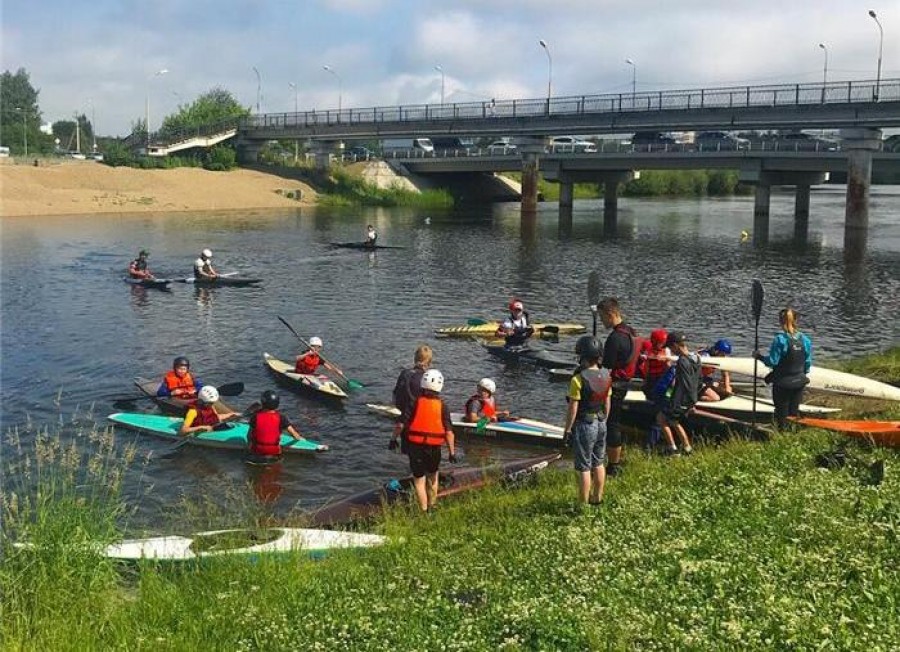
(546, 47)
(258, 88)
(824, 71)
(440, 69)
(296, 142)
(633, 80)
(158, 73)
(340, 82)
(880, 46)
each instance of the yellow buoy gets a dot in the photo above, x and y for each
(744, 236)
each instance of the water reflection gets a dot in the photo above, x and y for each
(266, 481)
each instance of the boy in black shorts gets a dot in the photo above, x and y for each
(678, 389)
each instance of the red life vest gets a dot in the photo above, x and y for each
(627, 371)
(307, 363)
(427, 423)
(488, 405)
(186, 382)
(265, 437)
(656, 368)
(206, 415)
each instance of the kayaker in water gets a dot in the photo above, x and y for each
(180, 382)
(371, 236)
(482, 404)
(679, 388)
(620, 355)
(516, 328)
(203, 268)
(715, 384)
(427, 427)
(653, 364)
(790, 358)
(585, 425)
(138, 267)
(407, 390)
(266, 426)
(309, 361)
(201, 415)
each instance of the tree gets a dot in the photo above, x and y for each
(71, 139)
(213, 108)
(20, 117)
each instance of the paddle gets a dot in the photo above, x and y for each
(756, 301)
(476, 321)
(351, 383)
(721, 418)
(228, 389)
(593, 297)
(192, 279)
(222, 425)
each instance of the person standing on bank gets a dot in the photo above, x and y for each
(620, 355)
(585, 426)
(138, 267)
(790, 358)
(407, 390)
(203, 268)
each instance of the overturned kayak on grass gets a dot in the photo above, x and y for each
(886, 433)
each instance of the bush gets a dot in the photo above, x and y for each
(116, 154)
(220, 159)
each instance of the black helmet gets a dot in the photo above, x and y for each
(269, 400)
(181, 360)
(587, 347)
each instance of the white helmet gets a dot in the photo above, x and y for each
(488, 384)
(206, 253)
(208, 394)
(315, 341)
(433, 380)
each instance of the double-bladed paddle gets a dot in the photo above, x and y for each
(222, 425)
(756, 302)
(351, 383)
(593, 297)
(228, 389)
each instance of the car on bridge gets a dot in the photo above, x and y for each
(715, 141)
(798, 141)
(653, 141)
(571, 144)
(501, 147)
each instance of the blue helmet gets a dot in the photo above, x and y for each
(723, 347)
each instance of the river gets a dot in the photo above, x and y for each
(74, 335)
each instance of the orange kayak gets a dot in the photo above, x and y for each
(886, 433)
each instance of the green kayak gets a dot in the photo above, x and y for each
(232, 436)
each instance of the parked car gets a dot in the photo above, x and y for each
(501, 147)
(562, 144)
(357, 153)
(891, 144)
(720, 140)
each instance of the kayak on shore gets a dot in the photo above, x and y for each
(316, 385)
(489, 328)
(886, 433)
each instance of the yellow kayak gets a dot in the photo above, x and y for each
(487, 329)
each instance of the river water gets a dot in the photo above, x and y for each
(74, 335)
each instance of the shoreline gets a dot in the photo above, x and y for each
(60, 188)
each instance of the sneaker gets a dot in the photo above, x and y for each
(687, 450)
(613, 469)
(671, 452)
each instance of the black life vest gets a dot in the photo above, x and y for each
(790, 372)
(687, 382)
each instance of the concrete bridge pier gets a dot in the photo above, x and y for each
(801, 213)
(248, 151)
(531, 149)
(324, 152)
(859, 145)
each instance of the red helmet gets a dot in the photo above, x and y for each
(515, 304)
(659, 336)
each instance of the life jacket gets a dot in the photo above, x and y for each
(427, 423)
(790, 373)
(308, 363)
(206, 415)
(626, 371)
(595, 384)
(488, 405)
(173, 382)
(265, 437)
(655, 369)
(137, 268)
(686, 389)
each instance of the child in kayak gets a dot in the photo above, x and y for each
(482, 404)
(266, 426)
(715, 384)
(309, 361)
(179, 382)
(516, 328)
(203, 269)
(679, 386)
(138, 267)
(202, 415)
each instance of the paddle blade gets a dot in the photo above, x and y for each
(482, 424)
(475, 321)
(354, 384)
(756, 298)
(593, 289)
(231, 389)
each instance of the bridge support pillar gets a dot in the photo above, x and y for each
(325, 151)
(761, 212)
(610, 205)
(801, 212)
(531, 149)
(859, 145)
(566, 197)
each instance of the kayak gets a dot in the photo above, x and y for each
(152, 283)
(529, 355)
(367, 504)
(169, 404)
(735, 406)
(234, 435)
(363, 245)
(488, 329)
(886, 433)
(221, 281)
(820, 378)
(518, 428)
(319, 386)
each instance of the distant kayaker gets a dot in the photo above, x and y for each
(138, 267)
(266, 426)
(309, 361)
(715, 384)
(407, 390)
(203, 268)
(516, 328)
(180, 382)
(679, 388)
(482, 404)
(371, 236)
(585, 425)
(790, 358)
(202, 415)
(427, 427)
(620, 355)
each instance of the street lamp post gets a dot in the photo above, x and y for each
(158, 73)
(296, 142)
(633, 80)
(258, 88)
(24, 130)
(340, 82)
(546, 47)
(441, 70)
(824, 71)
(880, 45)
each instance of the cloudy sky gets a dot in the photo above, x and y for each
(100, 57)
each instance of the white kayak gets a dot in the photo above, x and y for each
(734, 405)
(820, 378)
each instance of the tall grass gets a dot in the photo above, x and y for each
(340, 188)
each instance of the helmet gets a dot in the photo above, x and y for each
(675, 337)
(143, 252)
(587, 347)
(315, 341)
(181, 361)
(269, 400)
(659, 337)
(433, 380)
(722, 346)
(206, 253)
(488, 384)
(208, 394)
(515, 304)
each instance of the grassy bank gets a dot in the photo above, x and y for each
(743, 546)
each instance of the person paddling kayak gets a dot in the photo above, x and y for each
(138, 267)
(266, 426)
(203, 269)
(202, 415)
(516, 328)
(371, 236)
(309, 361)
(179, 382)
(482, 404)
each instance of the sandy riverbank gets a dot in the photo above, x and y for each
(81, 187)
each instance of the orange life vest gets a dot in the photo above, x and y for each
(206, 415)
(265, 437)
(173, 382)
(427, 423)
(307, 363)
(488, 405)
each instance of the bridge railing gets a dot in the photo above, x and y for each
(780, 95)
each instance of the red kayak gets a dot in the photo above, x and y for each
(886, 433)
